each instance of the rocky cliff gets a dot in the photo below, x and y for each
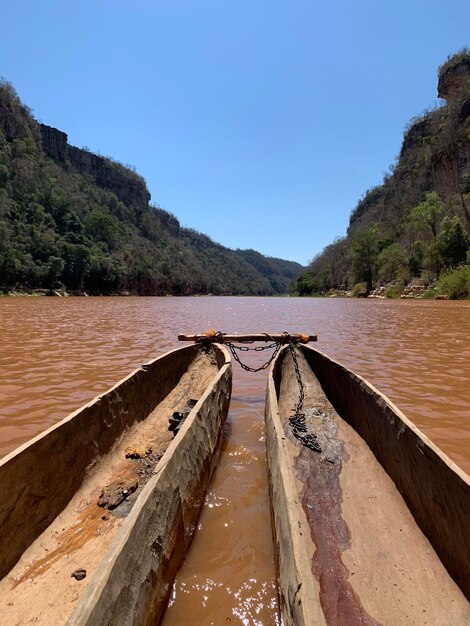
(126, 184)
(453, 74)
(54, 143)
(417, 222)
(435, 153)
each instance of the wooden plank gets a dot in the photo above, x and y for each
(267, 337)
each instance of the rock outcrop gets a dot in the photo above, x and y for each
(452, 76)
(54, 143)
(414, 136)
(417, 222)
(128, 186)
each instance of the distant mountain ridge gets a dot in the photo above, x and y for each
(73, 219)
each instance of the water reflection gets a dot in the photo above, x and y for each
(228, 575)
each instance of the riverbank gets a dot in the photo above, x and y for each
(451, 285)
(58, 293)
(35, 293)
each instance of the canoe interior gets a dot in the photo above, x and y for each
(436, 491)
(40, 482)
(345, 492)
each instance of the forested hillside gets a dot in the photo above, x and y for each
(415, 226)
(75, 220)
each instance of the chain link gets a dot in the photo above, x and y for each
(233, 349)
(297, 421)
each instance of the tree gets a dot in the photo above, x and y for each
(104, 275)
(306, 285)
(54, 270)
(102, 226)
(76, 262)
(426, 216)
(392, 262)
(364, 256)
(452, 242)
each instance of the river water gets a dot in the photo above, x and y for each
(57, 353)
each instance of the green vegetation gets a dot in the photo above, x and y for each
(71, 219)
(428, 294)
(359, 290)
(393, 291)
(417, 223)
(455, 283)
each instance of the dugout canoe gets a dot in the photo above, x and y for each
(375, 528)
(97, 512)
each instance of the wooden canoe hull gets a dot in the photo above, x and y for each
(133, 581)
(434, 489)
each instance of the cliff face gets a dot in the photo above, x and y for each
(435, 153)
(452, 76)
(54, 143)
(417, 222)
(127, 185)
(414, 136)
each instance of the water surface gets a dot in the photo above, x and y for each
(57, 353)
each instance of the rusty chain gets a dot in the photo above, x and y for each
(297, 421)
(219, 337)
(233, 349)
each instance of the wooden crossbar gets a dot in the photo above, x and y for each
(222, 337)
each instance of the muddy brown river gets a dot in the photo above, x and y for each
(57, 353)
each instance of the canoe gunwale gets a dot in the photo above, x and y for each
(297, 588)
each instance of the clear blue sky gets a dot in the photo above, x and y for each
(259, 123)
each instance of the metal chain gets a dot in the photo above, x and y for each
(297, 421)
(219, 336)
(233, 349)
